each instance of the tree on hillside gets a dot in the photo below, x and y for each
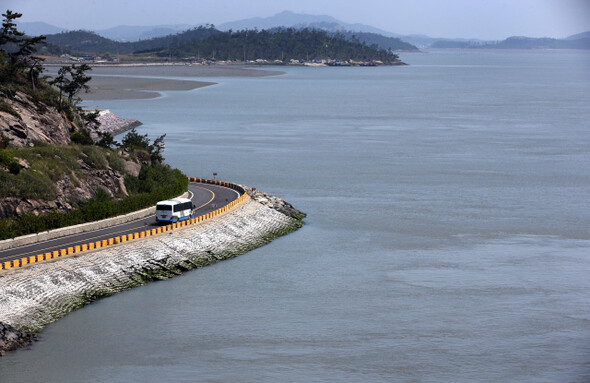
(16, 49)
(70, 80)
(79, 80)
(135, 141)
(35, 68)
(156, 149)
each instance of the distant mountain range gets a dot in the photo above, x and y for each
(300, 20)
(37, 28)
(136, 33)
(519, 42)
(120, 33)
(583, 35)
(367, 33)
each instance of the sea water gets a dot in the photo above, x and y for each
(447, 237)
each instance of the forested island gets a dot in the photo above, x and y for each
(205, 43)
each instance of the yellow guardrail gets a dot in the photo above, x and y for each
(143, 234)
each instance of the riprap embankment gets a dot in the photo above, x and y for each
(35, 296)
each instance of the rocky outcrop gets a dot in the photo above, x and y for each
(33, 121)
(70, 188)
(35, 296)
(24, 122)
(12, 338)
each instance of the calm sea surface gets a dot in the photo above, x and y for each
(447, 238)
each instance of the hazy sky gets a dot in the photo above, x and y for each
(484, 19)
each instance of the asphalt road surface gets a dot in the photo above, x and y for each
(206, 198)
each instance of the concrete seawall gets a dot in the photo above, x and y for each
(32, 297)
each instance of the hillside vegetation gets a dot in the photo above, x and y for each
(52, 173)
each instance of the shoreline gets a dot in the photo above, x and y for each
(34, 296)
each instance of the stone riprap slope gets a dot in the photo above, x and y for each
(113, 124)
(275, 203)
(35, 296)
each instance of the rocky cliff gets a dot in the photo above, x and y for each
(71, 175)
(26, 121)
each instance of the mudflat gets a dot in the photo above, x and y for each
(126, 88)
(182, 70)
(124, 82)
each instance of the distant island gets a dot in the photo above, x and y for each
(579, 41)
(206, 44)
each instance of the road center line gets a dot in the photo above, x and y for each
(108, 235)
(210, 191)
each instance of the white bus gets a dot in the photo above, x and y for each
(174, 210)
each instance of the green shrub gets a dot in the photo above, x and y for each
(82, 137)
(134, 140)
(14, 168)
(152, 177)
(5, 157)
(106, 140)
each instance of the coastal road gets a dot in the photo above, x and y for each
(206, 197)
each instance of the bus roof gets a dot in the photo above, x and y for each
(174, 201)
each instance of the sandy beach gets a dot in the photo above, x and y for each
(113, 83)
